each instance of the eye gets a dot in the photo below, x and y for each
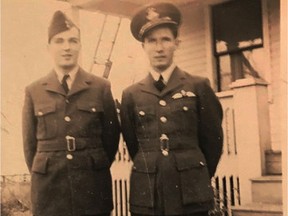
(58, 40)
(167, 39)
(74, 40)
(151, 40)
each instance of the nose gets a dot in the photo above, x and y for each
(66, 45)
(159, 47)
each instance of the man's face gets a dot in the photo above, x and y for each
(65, 47)
(159, 45)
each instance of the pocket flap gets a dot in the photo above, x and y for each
(40, 164)
(44, 109)
(145, 110)
(100, 160)
(145, 162)
(189, 159)
(90, 107)
(185, 105)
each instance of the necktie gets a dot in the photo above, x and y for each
(64, 83)
(159, 84)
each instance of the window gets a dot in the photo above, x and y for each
(237, 40)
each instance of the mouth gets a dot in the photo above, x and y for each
(67, 55)
(160, 57)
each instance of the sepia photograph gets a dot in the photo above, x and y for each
(144, 108)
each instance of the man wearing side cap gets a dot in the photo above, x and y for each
(171, 122)
(70, 132)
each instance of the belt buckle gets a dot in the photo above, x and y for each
(71, 144)
(164, 147)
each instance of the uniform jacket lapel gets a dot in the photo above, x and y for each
(147, 85)
(51, 83)
(175, 81)
(81, 82)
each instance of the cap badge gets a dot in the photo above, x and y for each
(152, 14)
(68, 24)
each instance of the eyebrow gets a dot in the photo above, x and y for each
(70, 38)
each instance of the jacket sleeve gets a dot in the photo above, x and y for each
(210, 126)
(128, 124)
(29, 123)
(111, 128)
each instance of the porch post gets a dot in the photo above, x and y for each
(252, 131)
(284, 77)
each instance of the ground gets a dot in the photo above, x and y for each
(15, 199)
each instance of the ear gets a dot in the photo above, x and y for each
(177, 42)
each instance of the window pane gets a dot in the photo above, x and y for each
(237, 25)
(251, 63)
(254, 63)
(225, 72)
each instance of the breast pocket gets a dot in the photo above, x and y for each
(145, 113)
(94, 110)
(194, 177)
(46, 121)
(89, 117)
(185, 113)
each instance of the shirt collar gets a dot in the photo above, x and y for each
(72, 74)
(166, 74)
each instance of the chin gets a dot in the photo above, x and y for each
(161, 67)
(68, 66)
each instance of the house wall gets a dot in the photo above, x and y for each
(191, 55)
(273, 12)
(196, 57)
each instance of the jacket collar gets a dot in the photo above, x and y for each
(81, 82)
(175, 81)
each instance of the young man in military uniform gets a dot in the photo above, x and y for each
(70, 132)
(171, 122)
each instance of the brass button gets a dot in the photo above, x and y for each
(93, 109)
(185, 108)
(162, 103)
(67, 119)
(69, 156)
(40, 113)
(202, 163)
(163, 119)
(164, 137)
(142, 113)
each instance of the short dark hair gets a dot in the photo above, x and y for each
(173, 28)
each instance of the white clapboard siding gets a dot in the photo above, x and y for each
(191, 55)
(274, 43)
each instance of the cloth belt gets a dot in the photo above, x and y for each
(177, 143)
(68, 144)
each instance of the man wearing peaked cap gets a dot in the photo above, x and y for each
(171, 122)
(152, 16)
(70, 132)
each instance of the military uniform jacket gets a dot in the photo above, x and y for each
(69, 144)
(175, 140)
